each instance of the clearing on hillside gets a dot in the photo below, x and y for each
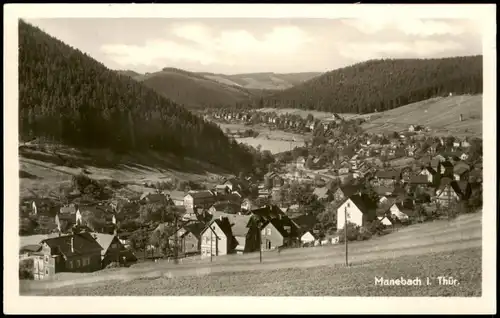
(441, 115)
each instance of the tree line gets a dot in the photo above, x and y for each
(379, 85)
(66, 96)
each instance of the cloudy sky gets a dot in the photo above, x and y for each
(232, 46)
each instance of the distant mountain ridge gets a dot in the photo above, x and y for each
(200, 89)
(266, 80)
(379, 85)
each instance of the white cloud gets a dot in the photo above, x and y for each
(153, 52)
(228, 46)
(411, 26)
(360, 51)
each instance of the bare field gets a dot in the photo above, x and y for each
(42, 172)
(273, 140)
(455, 244)
(304, 113)
(440, 114)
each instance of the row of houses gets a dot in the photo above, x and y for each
(282, 121)
(76, 252)
(223, 233)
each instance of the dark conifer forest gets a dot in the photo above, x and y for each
(379, 85)
(66, 96)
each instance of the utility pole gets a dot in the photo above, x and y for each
(176, 240)
(345, 235)
(260, 247)
(211, 244)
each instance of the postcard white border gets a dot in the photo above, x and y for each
(13, 303)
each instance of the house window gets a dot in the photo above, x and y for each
(77, 263)
(263, 231)
(70, 264)
(114, 245)
(268, 231)
(46, 258)
(46, 271)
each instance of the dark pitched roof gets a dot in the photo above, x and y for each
(194, 227)
(83, 243)
(201, 194)
(430, 169)
(447, 164)
(419, 179)
(460, 169)
(388, 174)
(233, 208)
(267, 212)
(351, 189)
(363, 203)
(285, 226)
(305, 221)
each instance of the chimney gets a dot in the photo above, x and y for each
(72, 244)
(220, 217)
(461, 117)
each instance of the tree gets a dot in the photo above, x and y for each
(352, 232)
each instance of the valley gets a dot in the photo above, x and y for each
(196, 183)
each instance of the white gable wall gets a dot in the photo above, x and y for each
(354, 214)
(394, 210)
(307, 238)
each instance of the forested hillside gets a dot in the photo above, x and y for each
(193, 90)
(379, 85)
(66, 96)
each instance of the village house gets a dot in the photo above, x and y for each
(188, 238)
(450, 191)
(202, 198)
(464, 156)
(29, 250)
(388, 177)
(431, 174)
(461, 172)
(342, 193)
(235, 184)
(359, 209)
(300, 163)
(279, 232)
(113, 250)
(236, 233)
(226, 207)
(267, 213)
(309, 237)
(446, 169)
(400, 212)
(67, 253)
(247, 205)
(216, 238)
(385, 220)
(419, 180)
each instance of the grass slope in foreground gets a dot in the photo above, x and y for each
(358, 280)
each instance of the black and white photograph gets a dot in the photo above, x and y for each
(290, 151)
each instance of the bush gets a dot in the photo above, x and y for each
(113, 265)
(353, 232)
(26, 269)
(364, 233)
